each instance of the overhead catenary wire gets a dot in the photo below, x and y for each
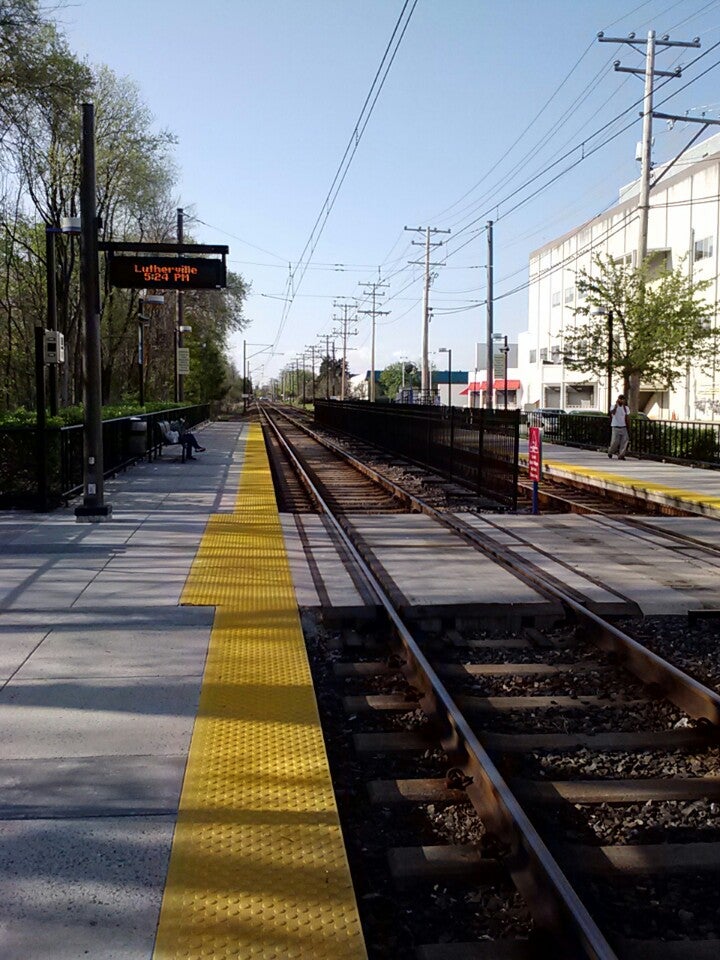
(297, 274)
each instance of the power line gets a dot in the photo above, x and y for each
(571, 166)
(350, 150)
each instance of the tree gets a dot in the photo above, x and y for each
(660, 323)
(329, 378)
(391, 377)
(39, 184)
(37, 70)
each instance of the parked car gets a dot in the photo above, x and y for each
(582, 412)
(545, 417)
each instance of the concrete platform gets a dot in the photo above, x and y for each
(602, 557)
(324, 580)
(100, 675)
(436, 575)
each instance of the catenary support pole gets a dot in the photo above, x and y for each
(93, 509)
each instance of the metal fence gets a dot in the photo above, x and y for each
(675, 440)
(478, 448)
(39, 473)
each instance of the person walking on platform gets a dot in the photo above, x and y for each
(620, 433)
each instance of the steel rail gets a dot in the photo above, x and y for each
(551, 897)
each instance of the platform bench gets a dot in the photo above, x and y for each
(166, 429)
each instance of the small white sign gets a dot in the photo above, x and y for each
(183, 360)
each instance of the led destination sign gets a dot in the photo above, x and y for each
(180, 273)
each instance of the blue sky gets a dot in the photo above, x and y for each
(263, 96)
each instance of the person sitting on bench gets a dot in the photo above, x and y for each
(178, 434)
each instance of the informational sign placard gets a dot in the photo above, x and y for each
(178, 273)
(534, 454)
(183, 360)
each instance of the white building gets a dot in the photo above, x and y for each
(683, 229)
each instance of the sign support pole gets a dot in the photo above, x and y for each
(534, 463)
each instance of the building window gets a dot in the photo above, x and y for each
(543, 353)
(658, 263)
(533, 356)
(569, 294)
(626, 260)
(703, 249)
(556, 298)
(555, 354)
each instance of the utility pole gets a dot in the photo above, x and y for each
(326, 338)
(373, 292)
(345, 307)
(179, 318)
(649, 72)
(489, 383)
(312, 349)
(425, 385)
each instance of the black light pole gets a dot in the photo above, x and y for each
(448, 351)
(504, 349)
(93, 509)
(41, 422)
(51, 286)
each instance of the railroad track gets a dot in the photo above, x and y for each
(569, 744)
(573, 496)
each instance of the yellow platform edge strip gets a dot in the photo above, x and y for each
(639, 486)
(258, 866)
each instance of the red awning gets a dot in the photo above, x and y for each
(479, 386)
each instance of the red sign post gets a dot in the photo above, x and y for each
(534, 462)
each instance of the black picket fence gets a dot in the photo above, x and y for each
(679, 441)
(478, 448)
(39, 473)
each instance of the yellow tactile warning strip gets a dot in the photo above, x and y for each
(258, 866)
(640, 486)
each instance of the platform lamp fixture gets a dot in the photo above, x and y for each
(448, 351)
(505, 350)
(149, 300)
